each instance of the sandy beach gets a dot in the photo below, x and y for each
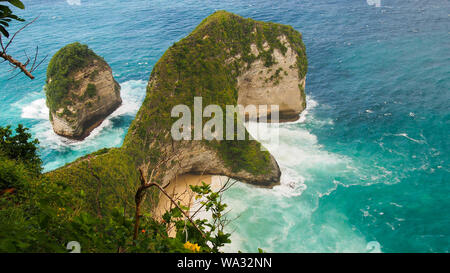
(180, 191)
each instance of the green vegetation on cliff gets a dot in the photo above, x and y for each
(91, 90)
(67, 61)
(17, 146)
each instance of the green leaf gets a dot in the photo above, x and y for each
(167, 217)
(12, 16)
(176, 213)
(5, 9)
(4, 32)
(17, 3)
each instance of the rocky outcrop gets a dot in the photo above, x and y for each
(278, 84)
(88, 95)
(226, 60)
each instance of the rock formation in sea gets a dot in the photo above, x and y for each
(279, 82)
(226, 60)
(81, 91)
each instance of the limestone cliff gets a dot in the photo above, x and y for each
(227, 59)
(278, 84)
(81, 91)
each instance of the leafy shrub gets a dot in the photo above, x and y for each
(93, 75)
(20, 146)
(43, 215)
(13, 174)
(6, 15)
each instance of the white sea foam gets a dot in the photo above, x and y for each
(132, 93)
(74, 2)
(302, 159)
(36, 110)
(310, 105)
(296, 151)
(410, 138)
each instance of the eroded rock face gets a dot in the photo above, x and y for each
(94, 95)
(279, 84)
(196, 158)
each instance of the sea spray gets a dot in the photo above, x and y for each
(295, 200)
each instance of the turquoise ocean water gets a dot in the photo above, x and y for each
(368, 162)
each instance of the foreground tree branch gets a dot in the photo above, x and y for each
(22, 66)
(140, 197)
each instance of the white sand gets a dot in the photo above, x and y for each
(180, 191)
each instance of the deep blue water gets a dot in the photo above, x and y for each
(369, 160)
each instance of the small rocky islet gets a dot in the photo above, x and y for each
(80, 91)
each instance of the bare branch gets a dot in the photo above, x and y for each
(35, 58)
(14, 62)
(221, 190)
(20, 72)
(139, 197)
(17, 32)
(34, 68)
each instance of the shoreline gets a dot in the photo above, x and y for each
(180, 191)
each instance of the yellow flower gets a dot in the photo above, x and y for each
(192, 247)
